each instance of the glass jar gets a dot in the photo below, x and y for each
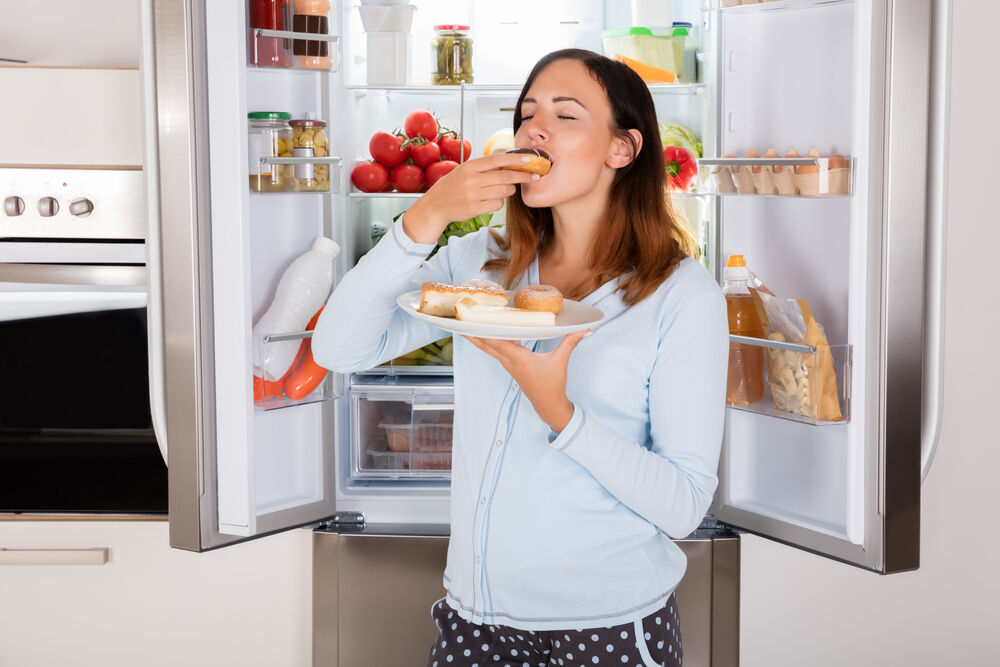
(309, 140)
(451, 55)
(311, 16)
(269, 51)
(269, 135)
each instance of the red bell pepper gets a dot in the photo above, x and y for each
(681, 167)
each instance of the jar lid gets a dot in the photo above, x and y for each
(269, 115)
(624, 32)
(307, 122)
(452, 27)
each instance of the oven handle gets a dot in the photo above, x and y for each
(97, 275)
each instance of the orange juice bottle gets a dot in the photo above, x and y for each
(746, 362)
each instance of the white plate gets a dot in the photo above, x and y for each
(574, 316)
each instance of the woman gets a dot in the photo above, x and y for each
(574, 461)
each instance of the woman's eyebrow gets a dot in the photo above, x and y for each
(532, 100)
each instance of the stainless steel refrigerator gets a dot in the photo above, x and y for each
(862, 79)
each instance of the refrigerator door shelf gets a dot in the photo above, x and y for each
(796, 377)
(779, 177)
(261, 41)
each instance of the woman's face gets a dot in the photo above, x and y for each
(566, 113)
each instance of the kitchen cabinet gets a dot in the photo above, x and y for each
(152, 605)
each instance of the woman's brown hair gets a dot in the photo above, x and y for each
(641, 239)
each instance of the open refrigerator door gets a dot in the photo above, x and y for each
(835, 97)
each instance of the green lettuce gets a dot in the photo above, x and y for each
(675, 134)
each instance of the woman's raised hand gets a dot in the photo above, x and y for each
(473, 188)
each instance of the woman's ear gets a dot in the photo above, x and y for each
(621, 152)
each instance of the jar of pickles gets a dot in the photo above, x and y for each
(309, 140)
(451, 53)
(269, 135)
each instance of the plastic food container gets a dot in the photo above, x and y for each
(309, 139)
(451, 55)
(418, 437)
(410, 460)
(387, 18)
(269, 135)
(642, 45)
(386, 60)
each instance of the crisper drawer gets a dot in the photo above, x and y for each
(402, 430)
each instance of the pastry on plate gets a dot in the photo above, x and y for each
(469, 310)
(439, 298)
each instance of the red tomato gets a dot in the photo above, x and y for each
(421, 123)
(407, 177)
(439, 169)
(387, 149)
(450, 148)
(425, 154)
(369, 176)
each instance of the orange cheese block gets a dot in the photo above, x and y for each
(648, 73)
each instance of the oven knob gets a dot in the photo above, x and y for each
(81, 208)
(13, 206)
(48, 207)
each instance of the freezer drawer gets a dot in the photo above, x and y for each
(372, 596)
(401, 430)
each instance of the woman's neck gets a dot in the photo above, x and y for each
(566, 263)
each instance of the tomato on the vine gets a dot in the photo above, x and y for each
(369, 176)
(407, 177)
(437, 170)
(425, 154)
(451, 147)
(421, 123)
(388, 149)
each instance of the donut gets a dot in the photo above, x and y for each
(539, 297)
(540, 162)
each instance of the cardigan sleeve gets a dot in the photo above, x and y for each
(669, 481)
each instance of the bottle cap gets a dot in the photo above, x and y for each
(736, 269)
(329, 246)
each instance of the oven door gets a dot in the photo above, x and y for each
(76, 433)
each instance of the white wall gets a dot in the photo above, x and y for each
(798, 609)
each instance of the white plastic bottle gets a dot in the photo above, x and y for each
(303, 288)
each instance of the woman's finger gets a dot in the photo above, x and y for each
(569, 343)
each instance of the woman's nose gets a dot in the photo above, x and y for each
(536, 132)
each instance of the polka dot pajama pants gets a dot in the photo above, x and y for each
(654, 641)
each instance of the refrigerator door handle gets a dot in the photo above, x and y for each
(937, 211)
(154, 285)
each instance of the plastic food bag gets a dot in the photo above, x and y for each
(801, 383)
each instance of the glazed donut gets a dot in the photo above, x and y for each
(539, 297)
(540, 162)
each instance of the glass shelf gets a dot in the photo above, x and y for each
(384, 195)
(758, 6)
(655, 88)
(794, 375)
(759, 176)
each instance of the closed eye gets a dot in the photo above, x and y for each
(567, 117)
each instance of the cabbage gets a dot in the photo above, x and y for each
(675, 134)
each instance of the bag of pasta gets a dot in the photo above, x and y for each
(801, 382)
